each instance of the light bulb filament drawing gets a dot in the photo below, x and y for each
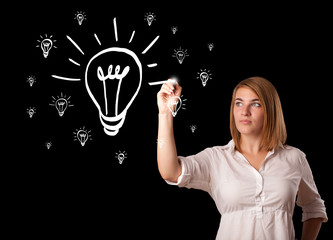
(116, 75)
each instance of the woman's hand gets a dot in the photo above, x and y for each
(168, 91)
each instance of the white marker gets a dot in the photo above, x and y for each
(162, 82)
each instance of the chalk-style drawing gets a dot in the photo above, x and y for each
(46, 44)
(31, 111)
(175, 103)
(171, 80)
(150, 17)
(61, 103)
(204, 75)
(210, 46)
(102, 70)
(121, 156)
(180, 54)
(80, 16)
(31, 80)
(193, 128)
(48, 144)
(82, 135)
(174, 29)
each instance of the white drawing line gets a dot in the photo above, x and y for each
(97, 39)
(150, 45)
(132, 37)
(66, 78)
(76, 63)
(112, 124)
(162, 82)
(115, 29)
(152, 65)
(75, 44)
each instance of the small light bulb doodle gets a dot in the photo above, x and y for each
(180, 54)
(82, 135)
(204, 75)
(193, 128)
(150, 17)
(80, 16)
(61, 103)
(46, 43)
(121, 156)
(48, 145)
(210, 46)
(31, 111)
(31, 80)
(174, 29)
(175, 103)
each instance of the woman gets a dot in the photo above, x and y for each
(255, 178)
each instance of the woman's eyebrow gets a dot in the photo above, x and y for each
(252, 100)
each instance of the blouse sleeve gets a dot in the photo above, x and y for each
(195, 171)
(308, 197)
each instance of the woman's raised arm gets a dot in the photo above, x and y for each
(168, 164)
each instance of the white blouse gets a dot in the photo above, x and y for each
(254, 204)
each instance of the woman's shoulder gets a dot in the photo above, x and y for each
(223, 149)
(288, 152)
(291, 150)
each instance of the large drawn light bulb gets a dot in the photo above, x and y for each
(46, 46)
(106, 74)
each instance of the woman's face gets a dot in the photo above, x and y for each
(248, 112)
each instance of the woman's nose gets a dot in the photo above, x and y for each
(246, 111)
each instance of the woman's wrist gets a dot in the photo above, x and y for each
(165, 115)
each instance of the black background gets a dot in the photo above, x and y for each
(75, 191)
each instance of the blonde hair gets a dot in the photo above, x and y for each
(274, 128)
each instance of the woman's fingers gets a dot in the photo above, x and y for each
(168, 87)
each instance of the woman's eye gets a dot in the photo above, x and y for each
(256, 105)
(239, 104)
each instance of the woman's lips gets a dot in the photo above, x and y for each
(246, 122)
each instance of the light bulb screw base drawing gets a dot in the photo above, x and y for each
(112, 124)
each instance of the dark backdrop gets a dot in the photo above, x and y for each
(74, 191)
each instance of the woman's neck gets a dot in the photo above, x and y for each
(250, 144)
